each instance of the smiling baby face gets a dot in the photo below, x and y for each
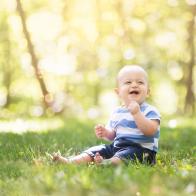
(132, 84)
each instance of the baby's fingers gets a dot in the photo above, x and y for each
(99, 134)
(99, 127)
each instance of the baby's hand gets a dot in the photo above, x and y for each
(100, 131)
(133, 107)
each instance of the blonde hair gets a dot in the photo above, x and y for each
(127, 68)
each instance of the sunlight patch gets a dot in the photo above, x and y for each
(172, 123)
(21, 126)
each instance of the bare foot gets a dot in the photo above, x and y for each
(98, 158)
(56, 156)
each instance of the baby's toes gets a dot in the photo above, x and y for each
(98, 158)
(55, 156)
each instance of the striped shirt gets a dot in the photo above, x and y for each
(123, 124)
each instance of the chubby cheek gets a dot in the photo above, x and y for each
(122, 95)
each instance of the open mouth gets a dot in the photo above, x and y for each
(134, 92)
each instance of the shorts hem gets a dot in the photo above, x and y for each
(90, 154)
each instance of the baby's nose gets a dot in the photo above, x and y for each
(134, 84)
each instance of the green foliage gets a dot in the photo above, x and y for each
(88, 48)
(25, 169)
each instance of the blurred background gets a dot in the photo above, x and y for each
(61, 57)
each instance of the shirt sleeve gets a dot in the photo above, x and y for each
(111, 123)
(153, 114)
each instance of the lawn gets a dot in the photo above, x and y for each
(25, 169)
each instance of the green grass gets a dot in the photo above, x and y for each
(25, 170)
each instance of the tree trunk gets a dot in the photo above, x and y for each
(190, 98)
(7, 69)
(46, 95)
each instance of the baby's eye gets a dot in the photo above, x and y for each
(140, 82)
(128, 82)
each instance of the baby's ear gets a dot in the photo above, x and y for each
(148, 92)
(116, 91)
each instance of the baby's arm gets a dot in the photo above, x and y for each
(147, 126)
(102, 132)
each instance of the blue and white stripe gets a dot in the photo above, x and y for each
(125, 127)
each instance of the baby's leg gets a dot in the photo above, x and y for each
(112, 161)
(81, 158)
(78, 159)
(115, 160)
